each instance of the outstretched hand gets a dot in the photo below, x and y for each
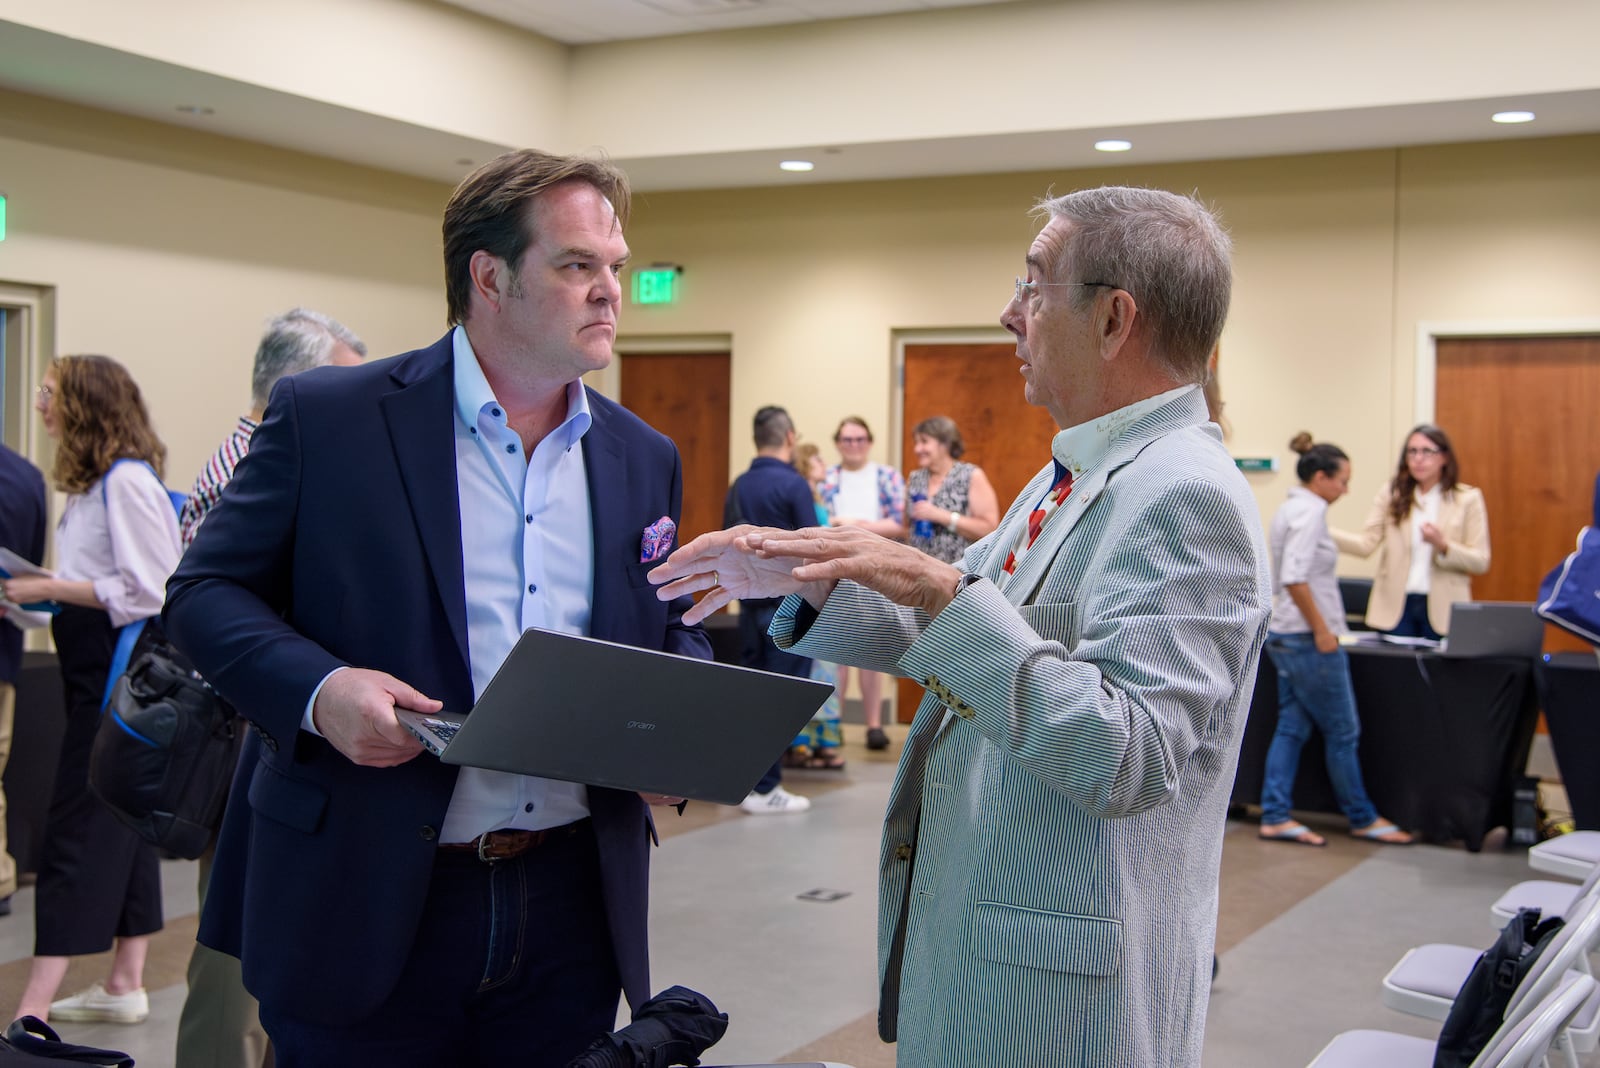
(723, 564)
(750, 561)
(904, 575)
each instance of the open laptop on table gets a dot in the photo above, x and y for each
(1493, 628)
(595, 712)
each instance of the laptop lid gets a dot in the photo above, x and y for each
(1494, 628)
(584, 710)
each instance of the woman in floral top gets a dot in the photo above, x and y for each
(872, 496)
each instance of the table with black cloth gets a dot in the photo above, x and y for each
(1443, 741)
(1569, 692)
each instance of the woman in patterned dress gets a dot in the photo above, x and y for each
(954, 498)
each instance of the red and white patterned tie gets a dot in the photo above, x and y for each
(1052, 500)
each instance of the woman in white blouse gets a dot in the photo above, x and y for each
(99, 884)
(1431, 533)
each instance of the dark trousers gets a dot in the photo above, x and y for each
(512, 965)
(1414, 621)
(97, 879)
(757, 650)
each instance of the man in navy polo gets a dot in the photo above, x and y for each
(771, 494)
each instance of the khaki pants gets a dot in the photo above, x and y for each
(219, 1027)
(8, 708)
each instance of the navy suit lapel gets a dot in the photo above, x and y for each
(605, 463)
(421, 422)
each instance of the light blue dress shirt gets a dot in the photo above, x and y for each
(527, 549)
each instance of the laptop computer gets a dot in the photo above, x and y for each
(1493, 628)
(584, 710)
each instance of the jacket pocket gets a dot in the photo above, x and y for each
(1051, 941)
(1053, 622)
(292, 802)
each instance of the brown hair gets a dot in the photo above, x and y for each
(943, 429)
(1404, 488)
(489, 211)
(803, 455)
(1315, 457)
(849, 420)
(103, 419)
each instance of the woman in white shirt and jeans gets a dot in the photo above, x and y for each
(99, 884)
(1313, 670)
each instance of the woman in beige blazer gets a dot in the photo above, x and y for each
(1431, 534)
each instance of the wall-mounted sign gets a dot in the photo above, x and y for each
(656, 285)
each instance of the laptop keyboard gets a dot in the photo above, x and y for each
(443, 729)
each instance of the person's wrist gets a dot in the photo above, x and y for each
(951, 525)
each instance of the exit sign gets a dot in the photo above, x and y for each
(655, 285)
(1256, 463)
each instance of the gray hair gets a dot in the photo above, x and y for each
(1167, 250)
(296, 341)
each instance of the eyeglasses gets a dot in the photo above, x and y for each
(853, 441)
(45, 392)
(1029, 289)
(1424, 452)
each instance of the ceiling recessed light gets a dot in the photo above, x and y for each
(796, 165)
(463, 162)
(196, 109)
(1112, 145)
(1512, 116)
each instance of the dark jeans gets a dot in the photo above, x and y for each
(1414, 619)
(1313, 690)
(512, 965)
(757, 650)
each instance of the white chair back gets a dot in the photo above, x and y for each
(1526, 1042)
(1565, 951)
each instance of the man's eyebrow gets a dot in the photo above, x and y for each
(1035, 263)
(579, 253)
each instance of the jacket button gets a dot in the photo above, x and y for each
(902, 851)
(428, 833)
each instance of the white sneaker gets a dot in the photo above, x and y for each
(778, 801)
(96, 1006)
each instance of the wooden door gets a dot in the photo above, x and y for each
(685, 395)
(980, 387)
(1523, 414)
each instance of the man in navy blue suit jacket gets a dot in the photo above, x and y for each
(392, 531)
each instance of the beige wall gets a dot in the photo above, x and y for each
(174, 268)
(1338, 257)
(169, 250)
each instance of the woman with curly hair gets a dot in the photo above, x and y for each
(1431, 533)
(99, 884)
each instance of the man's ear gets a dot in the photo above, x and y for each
(1117, 322)
(490, 277)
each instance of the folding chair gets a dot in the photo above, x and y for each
(1551, 898)
(1426, 980)
(1524, 1040)
(1573, 854)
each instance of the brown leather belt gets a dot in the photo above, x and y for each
(504, 845)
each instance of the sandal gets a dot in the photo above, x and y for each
(798, 756)
(1383, 832)
(824, 760)
(876, 739)
(1295, 833)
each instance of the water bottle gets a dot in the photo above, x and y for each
(921, 528)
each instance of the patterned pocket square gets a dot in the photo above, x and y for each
(657, 540)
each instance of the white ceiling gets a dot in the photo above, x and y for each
(594, 21)
(53, 65)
